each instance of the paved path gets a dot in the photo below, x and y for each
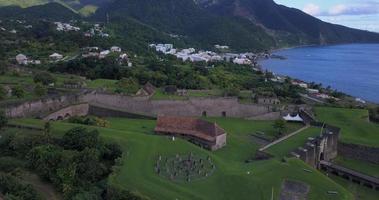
(283, 138)
(311, 98)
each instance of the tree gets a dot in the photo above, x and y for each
(44, 78)
(40, 90)
(89, 168)
(80, 138)
(47, 131)
(127, 86)
(280, 125)
(18, 91)
(3, 120)
(3, 93)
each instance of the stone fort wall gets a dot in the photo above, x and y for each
(359, 152)
(40, 107)
(216, 107)
(69, 111)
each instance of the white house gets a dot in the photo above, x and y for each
(115, 49)
(313, 91)
(104, 54)
(124, 56)
(197, 58)
(221, 47)
(242, 61)
(56, 56)
(21, 59)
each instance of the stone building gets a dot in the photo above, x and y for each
(21, 59)
(147, 90)
(321, 148)
(203, 133)
(268, 100)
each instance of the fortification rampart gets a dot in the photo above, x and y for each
(227, 107)
(69, 111)
(40, 107)
(359, 152)
(321, 148)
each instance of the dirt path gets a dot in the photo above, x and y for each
(46, 190)
(284, 138)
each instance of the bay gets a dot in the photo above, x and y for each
(352, 68)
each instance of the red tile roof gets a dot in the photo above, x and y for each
(189, 126)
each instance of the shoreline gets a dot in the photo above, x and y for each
(317, 45)
(354, 97)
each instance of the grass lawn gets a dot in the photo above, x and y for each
(102, 83)
(160, 95)
(285, 147)
(360, 166)
(230, 179)
(354, 123)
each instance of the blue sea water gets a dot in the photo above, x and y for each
(352, 69)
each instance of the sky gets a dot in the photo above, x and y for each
(362, 14)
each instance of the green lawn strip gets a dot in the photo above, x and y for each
(102, 83)
(357, 165)
(356, 128)
(160, 95)
(229, 181)
(285, 147)
(248, 127)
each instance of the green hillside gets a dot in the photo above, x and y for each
(356, 128)
(23, 3)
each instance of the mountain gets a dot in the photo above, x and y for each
(53, 11)
(188, 20)
(245, 25)
(242, 24)
(303, 28)
(84, 7)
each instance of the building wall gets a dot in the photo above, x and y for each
(69, 111)
(40, 107)
(358, 152)
(220, 142)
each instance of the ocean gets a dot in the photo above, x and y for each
(352, 69)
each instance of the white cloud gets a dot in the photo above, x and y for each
(364, 8)
(338, 9)
(312, 9)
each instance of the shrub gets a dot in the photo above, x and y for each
(18, 92)
(44, 78)
(40, 90)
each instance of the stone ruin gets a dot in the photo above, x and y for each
(184, 168)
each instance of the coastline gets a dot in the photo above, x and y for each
(370, 100)
(317, 45)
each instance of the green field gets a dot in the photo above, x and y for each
(107, 84)
(282, 149)
(230, 179)
(354, 123)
